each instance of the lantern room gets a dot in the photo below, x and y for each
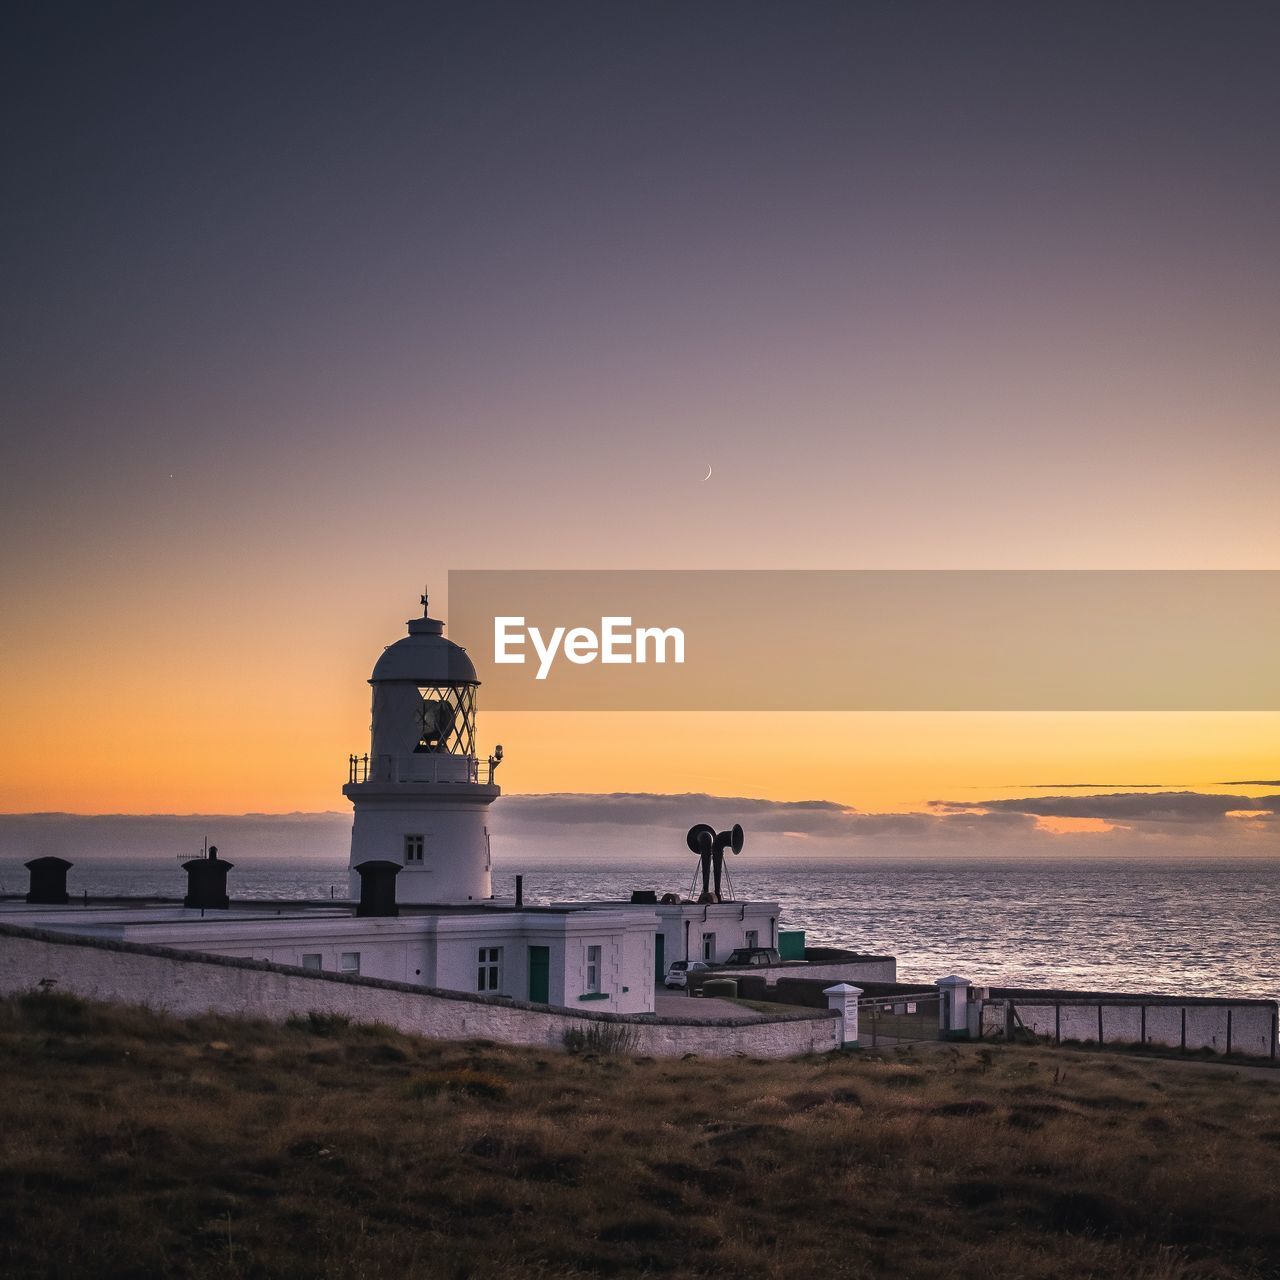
(424, 710)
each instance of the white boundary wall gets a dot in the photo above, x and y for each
(187, 983)
(1224, 1026)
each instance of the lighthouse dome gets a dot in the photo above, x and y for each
(425, 657)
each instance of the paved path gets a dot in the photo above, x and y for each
(675, 1004)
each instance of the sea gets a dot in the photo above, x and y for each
(1187, 927)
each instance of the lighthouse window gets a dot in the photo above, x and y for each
(593, 968)
(413, 848)
(489, 977)
(447, 717)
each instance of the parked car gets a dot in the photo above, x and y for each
(679, 970)
(745, 956)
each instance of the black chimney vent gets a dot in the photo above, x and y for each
(378, 888)
(207, 882)
(48, 881)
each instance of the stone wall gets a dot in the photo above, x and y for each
(854, 972)
(879, 969)
(187, 983)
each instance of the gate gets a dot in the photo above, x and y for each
(890, 1020)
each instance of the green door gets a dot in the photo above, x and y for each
(540, 974)
(659, 957)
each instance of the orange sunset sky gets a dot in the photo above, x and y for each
(298, 318)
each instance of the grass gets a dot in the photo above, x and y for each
(135, 1145)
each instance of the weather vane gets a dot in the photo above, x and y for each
(423, 599)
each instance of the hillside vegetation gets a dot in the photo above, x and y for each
(135, 1145)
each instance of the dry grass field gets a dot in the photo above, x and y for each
(134, 1145)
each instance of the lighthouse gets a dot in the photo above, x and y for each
(421, 795)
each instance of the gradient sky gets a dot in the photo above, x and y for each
(301, 305)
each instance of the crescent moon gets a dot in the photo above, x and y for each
(708, 475)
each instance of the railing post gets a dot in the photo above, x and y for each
(844, 999)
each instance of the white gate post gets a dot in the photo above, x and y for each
(953, 1007)
(844, 999)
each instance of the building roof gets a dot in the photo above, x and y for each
(425, 657)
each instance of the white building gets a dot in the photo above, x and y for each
(422, 908)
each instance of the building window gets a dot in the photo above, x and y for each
(489, 972)
(752, 938)
(413, 849)
(708, 946)
(350, 962)
(313, 962)
(593, 969)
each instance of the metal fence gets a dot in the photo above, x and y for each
(888, 1020)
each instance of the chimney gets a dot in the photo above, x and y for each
(207, 882)
(378, 888)
(519, 891)
(48, 881)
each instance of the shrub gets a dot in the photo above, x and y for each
(319, 1024)
(55, 1011)
(601, 1037)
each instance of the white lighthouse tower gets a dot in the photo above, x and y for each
(421, 796)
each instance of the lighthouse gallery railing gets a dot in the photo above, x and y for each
(429, 768)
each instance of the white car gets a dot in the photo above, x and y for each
(679, 971)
